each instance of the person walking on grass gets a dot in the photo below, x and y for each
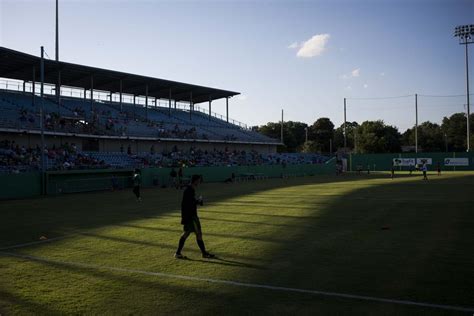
(137, 181)
(439, 168)
(190, 219)
(392, 171)
(424, 168)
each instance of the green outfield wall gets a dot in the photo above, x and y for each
(383, 162)
(22, 185)
(26, 185)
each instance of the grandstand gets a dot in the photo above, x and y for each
(104, 118)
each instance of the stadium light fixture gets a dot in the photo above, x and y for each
(465, 33)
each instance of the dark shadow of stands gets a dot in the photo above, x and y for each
(343, 248)
(25, 220)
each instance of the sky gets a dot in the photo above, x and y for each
(301, 56)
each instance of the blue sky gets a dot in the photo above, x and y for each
(302, 56)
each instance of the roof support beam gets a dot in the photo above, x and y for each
(227, 108)
(190, 105)
(146, 102)
(169, 104)
(121, 87)
(92, 93)
(210, 107)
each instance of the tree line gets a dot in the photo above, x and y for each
(370, 136)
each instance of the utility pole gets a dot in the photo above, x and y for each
(281, 126)
(466, 37)
(416, 122)
(344, 128)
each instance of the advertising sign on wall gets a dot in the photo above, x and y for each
(400, 162)
(456, 161)
(420, 161)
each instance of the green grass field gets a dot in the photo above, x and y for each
(115, 255)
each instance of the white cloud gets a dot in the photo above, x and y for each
(366, 86)
(241, 97)
(315, 46)
(293, 45)
(382, 74)
(352, 74)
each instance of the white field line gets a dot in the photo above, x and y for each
(244, 284)
(32, 243)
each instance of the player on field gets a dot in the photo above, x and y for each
(424, 168)
(190, 219)
(137, 181)
(392, 171)
(438, 167)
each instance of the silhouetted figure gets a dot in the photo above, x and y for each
(190, 219)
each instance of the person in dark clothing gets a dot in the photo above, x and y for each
(190, 219)
(137, 180)
(173, 175)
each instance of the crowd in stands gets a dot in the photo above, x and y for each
(203, 158)
(15, 158)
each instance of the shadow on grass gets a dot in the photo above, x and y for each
(26, 220)
(385, 245)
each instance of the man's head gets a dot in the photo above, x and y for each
(196, 180)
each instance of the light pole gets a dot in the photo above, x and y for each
(466, 37)
(306, 137)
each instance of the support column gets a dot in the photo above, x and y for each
(169, 104)
(227, 109)
(134, 103)
(33, 90)
(191, 105)
(121, 87)
(58, 90)
(92, 93)
(24, 84)
(210, 108)
(175, 104)
(146, 102)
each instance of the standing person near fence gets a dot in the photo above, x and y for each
(190, 219)
(424, 168)
(137, 181)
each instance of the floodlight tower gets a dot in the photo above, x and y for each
(466, 37)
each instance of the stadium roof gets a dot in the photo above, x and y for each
(18, 65)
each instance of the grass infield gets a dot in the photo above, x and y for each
(363, 235)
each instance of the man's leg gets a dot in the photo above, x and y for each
(182, 240)
(201, 245)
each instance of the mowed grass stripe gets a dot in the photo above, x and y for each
(323, 241)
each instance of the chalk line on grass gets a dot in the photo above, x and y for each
(32, 243)
(244, 284)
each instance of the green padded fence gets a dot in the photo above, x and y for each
(383, 162)
(16, 186)
(58, 182)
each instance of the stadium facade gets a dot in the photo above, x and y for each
(100, 110)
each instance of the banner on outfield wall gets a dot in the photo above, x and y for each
(456, 161)
(400, 162)
(420, 161)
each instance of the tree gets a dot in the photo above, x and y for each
(321, 132)
(293, 134)
(339, 135)
(309, 147)
(430, 137)
(376, 137)
(455, 129)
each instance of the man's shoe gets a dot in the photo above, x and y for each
(179, 256)
(208, 255)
